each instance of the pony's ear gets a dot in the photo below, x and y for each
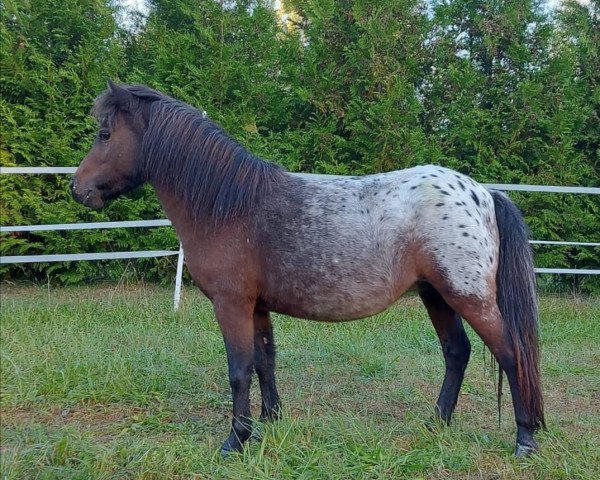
(123, 97)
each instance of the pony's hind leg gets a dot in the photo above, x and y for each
(264, 364)
(485, 318)
(455, 346)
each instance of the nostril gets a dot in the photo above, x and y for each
(72, 184)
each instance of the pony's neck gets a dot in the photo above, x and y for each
(171, 203)
(215, 178)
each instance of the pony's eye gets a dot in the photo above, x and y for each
(104, 134)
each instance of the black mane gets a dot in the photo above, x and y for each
(186, 152)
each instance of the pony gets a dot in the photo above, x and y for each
(259, 239)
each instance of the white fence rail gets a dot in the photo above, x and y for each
(86, 226)
(37, 170)
(163, 222)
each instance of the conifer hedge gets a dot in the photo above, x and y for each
(507, 92)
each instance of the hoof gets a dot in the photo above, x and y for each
(227, 452)
(432, 425)
(522, 450)
(256, 436)
(435, 424)
(228, 449)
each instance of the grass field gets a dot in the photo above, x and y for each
(110, 383)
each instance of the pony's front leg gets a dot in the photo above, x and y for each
(264, 364)
(237, 327)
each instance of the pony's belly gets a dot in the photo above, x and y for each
(331, 313)
(332, 304)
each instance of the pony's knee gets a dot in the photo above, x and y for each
(458, 352)
(240, 377)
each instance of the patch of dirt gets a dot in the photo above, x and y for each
(95, 417)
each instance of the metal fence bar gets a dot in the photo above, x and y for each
(550, 242)
(86, 226)
(497, 186)
(573, 271)
(37, 170)
(178, 278)
(164, 253)
(84, 256)
(541, 188)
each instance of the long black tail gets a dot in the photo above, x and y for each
(517, 301)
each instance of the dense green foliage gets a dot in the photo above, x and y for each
(501, 90)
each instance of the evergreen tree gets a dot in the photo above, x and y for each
(223, 57)
(501, 101)
(359, 65)
(578, 40)
(484, 59)
(55, 57)
(577, 66)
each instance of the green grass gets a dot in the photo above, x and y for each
(110, 383)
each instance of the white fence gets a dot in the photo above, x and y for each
(180, 254)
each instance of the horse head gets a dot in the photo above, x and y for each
(111, 167)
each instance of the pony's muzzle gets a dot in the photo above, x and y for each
(90, 197)
(73, 187)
